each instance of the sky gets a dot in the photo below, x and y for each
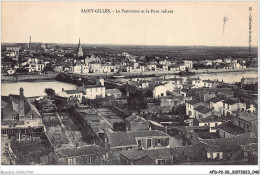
(192, 23)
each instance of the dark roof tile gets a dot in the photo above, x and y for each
(80, 151)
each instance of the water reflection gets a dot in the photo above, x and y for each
(32, 89)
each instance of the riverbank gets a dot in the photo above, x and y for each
(30, 78)
(52, 75)
(162, 73)
(210, 71)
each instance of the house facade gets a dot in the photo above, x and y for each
(84, 155)
(202, 112)
(190, 107)
(92, 91)
(159, 91)
(20, 116)
(229, 107)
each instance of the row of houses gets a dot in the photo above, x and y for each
(147, 142)
(94, 64)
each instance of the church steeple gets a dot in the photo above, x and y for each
(79, 50)
(79, 44)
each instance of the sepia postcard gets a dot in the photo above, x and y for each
(109, 87)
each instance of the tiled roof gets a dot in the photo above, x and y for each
(208, 81)
(202, 109)
(136, 119)
(146, 160)
(232, 129)
(128, 138)
(74, 91)
(80, 151)
(92, 86)
(229, 101)
(247, 116)
(113, 91)
(11, 123)
(209, 119)
(177, 79)
(153, 154)
(13, 105)
(250, 147)
(192, 102)
(217, 99)
(226, 144)
(188, 150)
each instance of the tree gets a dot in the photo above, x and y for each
(49, 67)
(50, 92)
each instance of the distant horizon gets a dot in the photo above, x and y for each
(123, 44)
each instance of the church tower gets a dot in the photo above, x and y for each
(21, 103)
(79, 50)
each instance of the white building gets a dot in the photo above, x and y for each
(164, 62)
(84, 69)
(182, 67)
(95, 67)
(71, 93)
(76, 69)
(35, 67)
(159, 91)
(58, 68)
(107, 68)
(195, 82)
(93, 91)
(211, 122)
(216, 105)
(190, 106)
(151, 67)
(188, 64)
(218, 61)
(230, 107)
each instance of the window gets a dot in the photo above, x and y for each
(139, 143)
(160, 161)
(31, 115)
(216, 124)
(224, 134)
(149, 143)
(70, 161)
(91, 159)
(13, 117)
(74, 161)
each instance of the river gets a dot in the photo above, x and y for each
(227, 77)
(32, 89)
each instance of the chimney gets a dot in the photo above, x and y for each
(21, 103)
